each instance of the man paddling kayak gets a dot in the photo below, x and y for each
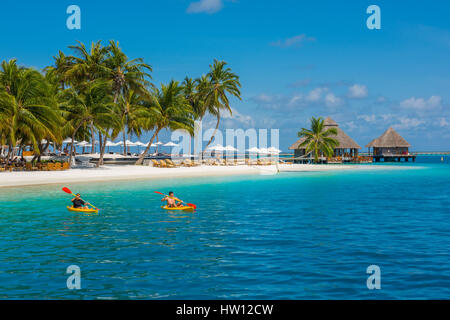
(78, 203)
(172, 201)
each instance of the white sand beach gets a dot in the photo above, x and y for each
(115, 173)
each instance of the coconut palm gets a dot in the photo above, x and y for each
(318, 139)
(223, 82)
(87, 66)
(60, 69)
(134, 114)
(170, 110)
(27, 109)
(92, 106)
(126, 74)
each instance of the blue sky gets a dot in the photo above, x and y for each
(296, 59)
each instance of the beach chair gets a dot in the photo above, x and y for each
(65, 166)
(51, 166)
(155, 163)
(171, 163)
(188, 163)
(162, 164)
(58, 166)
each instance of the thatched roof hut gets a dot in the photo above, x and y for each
(389, 139)
(345, 142)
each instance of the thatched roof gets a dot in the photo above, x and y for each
(345, 142)
(389, 139)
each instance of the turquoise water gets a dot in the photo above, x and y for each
(288, 236)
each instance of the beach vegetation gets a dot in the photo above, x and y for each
(319, 139)
(95, 93)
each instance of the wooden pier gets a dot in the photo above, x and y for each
(394, 158)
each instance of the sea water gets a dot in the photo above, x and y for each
(305, 235)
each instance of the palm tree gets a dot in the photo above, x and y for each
(134, 114)
(60, 69)
(126, 75)
(27, 109)
(92, 106)
(318, 139)
(170, 110)
(223, 82)
(87, 66)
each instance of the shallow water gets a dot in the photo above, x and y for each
(288, 236)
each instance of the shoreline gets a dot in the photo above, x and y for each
(123, 173)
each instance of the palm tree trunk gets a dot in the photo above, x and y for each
(72, 145)
(102, 149)
(128, 147)
(144, 154)
(124, 142)
(93, 138)
(213, 135)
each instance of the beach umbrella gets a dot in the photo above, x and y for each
(69, 140)
(273, 150)
(171, 144)
(83, 144)
(140, 144)
(110, 144)
(253, 150)
(130, 143)
(157, 144)
(217, 147)
(230, 149)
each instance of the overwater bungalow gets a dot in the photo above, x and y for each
(346, 151)
(390, 147)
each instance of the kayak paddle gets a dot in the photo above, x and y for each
(67, 190)
(188, 204)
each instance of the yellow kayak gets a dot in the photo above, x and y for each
(82, 210)
(186, 208)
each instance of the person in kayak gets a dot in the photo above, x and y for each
(78, 203)
(172, 201)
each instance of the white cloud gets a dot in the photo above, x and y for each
(387, 116)
(358, 91)
(408, 123)
(239, 117)
(296, 41)
(421, 104)
(205, 6)
(315, 94)
(381, 99)
(331, 100)
(367, 118)
(443, 122)
(315, 98)
(351, 125)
